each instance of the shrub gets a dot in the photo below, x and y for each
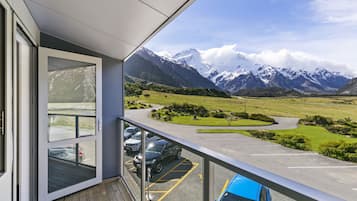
(294, 141)
(316, 120)
(218, 114)
(339, 129)
(188, 109)
(261, 117)
(242, 115)
(146, 95)
(262, 134)
(133, 107)
(340, 150)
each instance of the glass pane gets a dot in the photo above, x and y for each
(174, 173)
(86, 126)
(61, 127)
(131, 176)
(87, 153)
(71, 95)
(70, 164)
(72, 114)
(229, 185)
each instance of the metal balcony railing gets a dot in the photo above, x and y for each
(290, 189)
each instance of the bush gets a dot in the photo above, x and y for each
(294, 141)
(340, 150)
(188, 109)
(316, 120)
(339, 129)
(262, 134)
(218, 114)
(242, 115)
(261, 117)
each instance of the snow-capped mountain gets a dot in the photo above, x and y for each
(193, 58)
(146, 65)
(232, 70)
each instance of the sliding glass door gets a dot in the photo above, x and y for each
(70, 138)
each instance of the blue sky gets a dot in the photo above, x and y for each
(326, 29)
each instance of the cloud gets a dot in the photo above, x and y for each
(336, 11)
(228, 57)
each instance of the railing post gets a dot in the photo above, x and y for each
(77, 135)
(143, 166)
(208, 180)
(121, 148)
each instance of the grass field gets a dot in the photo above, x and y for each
(334, 107)
(317, 135)
(210, 121)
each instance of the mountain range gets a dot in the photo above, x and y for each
(233, 73)
(146, 65)
(350, 88)
(240, 72)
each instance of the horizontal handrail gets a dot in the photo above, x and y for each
(71, 115)
(278, 183)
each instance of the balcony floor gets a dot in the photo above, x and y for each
(110, 190)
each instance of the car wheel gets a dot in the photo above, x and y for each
(158, 167)
(178, 155)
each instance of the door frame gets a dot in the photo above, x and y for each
(16, 25)
(43, 141)
(6, 183)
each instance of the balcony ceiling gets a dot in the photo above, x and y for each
(112, 27)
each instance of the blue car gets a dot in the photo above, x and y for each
(241, 188)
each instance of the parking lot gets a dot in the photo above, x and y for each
(180, 180)
(329, 175)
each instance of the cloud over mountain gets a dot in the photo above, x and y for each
(226, 57)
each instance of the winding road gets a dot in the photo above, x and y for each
(326, 174)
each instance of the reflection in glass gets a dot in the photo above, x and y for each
(70, 164)
(71, 115)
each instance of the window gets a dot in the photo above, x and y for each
(2, 88)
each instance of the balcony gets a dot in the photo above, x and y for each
(197, 173)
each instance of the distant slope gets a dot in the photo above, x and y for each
(350, 88)
(148, 66)
(267, 92)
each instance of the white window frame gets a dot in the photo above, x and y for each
(43, 141)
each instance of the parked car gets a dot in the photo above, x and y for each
(66, 153)
(157, 153)
(130, 131)
(133, 144)
(241, 188)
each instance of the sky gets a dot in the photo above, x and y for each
(314, 30)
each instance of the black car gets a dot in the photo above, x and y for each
(157, 153)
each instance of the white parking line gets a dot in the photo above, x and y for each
(286, 154)
(324, 167)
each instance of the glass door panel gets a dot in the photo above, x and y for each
(72, 134)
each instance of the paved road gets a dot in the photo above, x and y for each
(326, 174)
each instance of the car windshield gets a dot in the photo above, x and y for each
(231, 197)
(154, 148)
(136, 136)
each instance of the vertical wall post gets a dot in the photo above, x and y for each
(143, 165)
(208, 180)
